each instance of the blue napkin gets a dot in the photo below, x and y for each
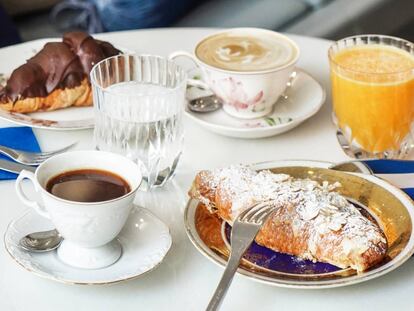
(398, 172)
(21, 138)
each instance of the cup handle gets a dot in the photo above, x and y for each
(22, 196)
(192, 82)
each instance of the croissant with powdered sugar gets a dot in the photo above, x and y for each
(312, 220)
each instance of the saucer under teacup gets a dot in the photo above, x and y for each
(145, 241)
(301, 101)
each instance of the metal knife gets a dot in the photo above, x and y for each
(14, 167)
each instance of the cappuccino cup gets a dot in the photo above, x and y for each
(90, 228)
(247, 68)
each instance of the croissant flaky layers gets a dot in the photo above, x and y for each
(57, 76)
(311, 221)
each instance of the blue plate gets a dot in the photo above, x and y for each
(266, 258)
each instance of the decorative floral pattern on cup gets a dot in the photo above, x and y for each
(233, 93)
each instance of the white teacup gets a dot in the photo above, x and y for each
(88, 229)
(247, 93)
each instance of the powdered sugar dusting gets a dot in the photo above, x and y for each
(317, 204)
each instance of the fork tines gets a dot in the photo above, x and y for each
(258, 212)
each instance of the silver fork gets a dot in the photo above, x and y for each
(245, 228)
(31, 158)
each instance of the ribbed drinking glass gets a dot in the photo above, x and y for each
(373, 95)
(139, 103)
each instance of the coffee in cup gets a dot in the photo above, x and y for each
(248, 68)
(72, 188)
(243, 51)
(88, 185)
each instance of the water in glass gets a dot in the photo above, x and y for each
(143, 121)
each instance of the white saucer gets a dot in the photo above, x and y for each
(304, 99)
(145, 241)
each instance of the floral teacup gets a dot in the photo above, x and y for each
(246, 94)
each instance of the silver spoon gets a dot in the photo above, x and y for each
(42, 241)
(353, 166)
(205, 104)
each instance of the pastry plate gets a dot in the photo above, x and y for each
(388, 205)
(74, 118)
(301, 101)
(145, 241)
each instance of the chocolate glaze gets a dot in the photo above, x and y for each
(85, 47)
(58, 65)
(59, 62)
(108, 48)
(28, 80)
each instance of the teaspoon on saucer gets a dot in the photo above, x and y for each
(205, 104)
(42, 241)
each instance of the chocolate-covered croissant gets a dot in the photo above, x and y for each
(57, 76)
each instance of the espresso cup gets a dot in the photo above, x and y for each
(89, 229)
(251, 90)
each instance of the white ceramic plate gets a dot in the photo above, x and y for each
(145, 241)
(304, 99)
(396, 218)
(76, 118)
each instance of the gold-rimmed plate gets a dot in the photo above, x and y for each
(388, 205)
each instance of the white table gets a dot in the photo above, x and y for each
(186, 280)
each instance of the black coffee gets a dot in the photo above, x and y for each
(88, 185)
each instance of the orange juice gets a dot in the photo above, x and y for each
(373, 95)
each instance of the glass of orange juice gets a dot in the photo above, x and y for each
(373, 94)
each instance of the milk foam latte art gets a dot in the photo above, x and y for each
(241, 51)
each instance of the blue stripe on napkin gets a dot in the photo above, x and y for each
(21, 138)
(410, 192)
(393, 167)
